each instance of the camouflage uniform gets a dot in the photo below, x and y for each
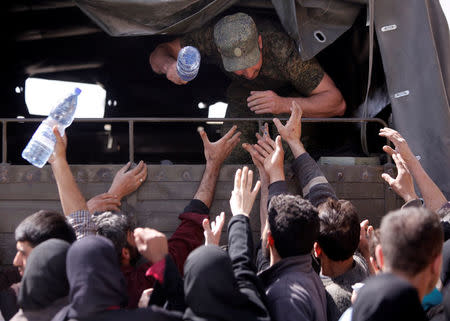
(282, 71)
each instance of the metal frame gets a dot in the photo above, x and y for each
(132, 121)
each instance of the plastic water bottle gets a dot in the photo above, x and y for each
(41, 145)
(188, 63)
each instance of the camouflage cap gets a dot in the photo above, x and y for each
(236, 38)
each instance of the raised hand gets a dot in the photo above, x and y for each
(103, 202)
(257, 158)
(151, 243)
(59, 152)
(401, 146)
(403, 184)
(242, 196)
(212, 233)
(292, 131)
(127, 181)
(217, 152)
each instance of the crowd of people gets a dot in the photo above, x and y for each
(316, 260)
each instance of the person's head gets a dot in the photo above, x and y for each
(292, 226)
(387, 297)
(37, 228)
(45, 279)
(217, 297)
(339, 230)
(411, 244)
(95, 280)
(119, 230)
(239, 44)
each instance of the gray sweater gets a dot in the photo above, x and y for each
(339, 289)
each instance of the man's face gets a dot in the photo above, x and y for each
(23, 251)
(249, 73)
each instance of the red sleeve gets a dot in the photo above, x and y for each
(187, 237)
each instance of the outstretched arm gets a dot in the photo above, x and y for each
(189, 234)
(314, 185)
(71, 198)
(324, 101)
(215, 155)
(433, 197)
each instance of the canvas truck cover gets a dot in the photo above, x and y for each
(413, 37)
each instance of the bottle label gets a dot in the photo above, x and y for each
(45, 136)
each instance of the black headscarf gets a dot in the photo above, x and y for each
(45, 279)
(96, 283)
(211, 290)
(388, 297)
(445, 272)
(97, 286)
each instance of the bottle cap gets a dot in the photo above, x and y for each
(77, 91)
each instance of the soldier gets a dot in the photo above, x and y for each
(266, 70)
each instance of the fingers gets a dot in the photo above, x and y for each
(124, 168)
(237, 179)
(279, 146)
(257, 158)
(206, 226)
(220, 221)
(244, 178)
(255, 95)
(296, 111)
(364, 224)
(388, 178)
(59, 139)
(203, 135)
(249, 180)
(388, 150)
(261, 151)
(235, 139)
(228, 134)
(278, 125)
(256, 188)
(256, 101)
(265, 143)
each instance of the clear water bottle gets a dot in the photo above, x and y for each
(188, 63)
(41, 145)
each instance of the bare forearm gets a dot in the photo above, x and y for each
(325, 104)
(432, 195)
(71, 198)
(206, 190)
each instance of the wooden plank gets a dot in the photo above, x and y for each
(45, 191)
(356, 173)
(359, 190)
(7, 248)
(172, 173)
(373, 210)
(13, 212)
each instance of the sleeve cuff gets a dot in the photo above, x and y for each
(157, 271)
(196, 206)
(279, 187)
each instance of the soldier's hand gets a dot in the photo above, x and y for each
(172, 75)
(265, 102)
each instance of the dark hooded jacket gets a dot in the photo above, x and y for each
(221, 286)
(97, 286)
(388, 297)
(44, 288)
